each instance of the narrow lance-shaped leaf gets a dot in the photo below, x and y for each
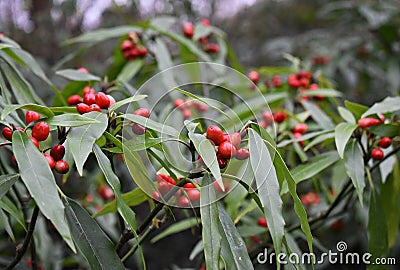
(354, 164)
(70, 120)
(43, 110)
(389, 104)
(39, 180)
(268, 187)
(91, 241)
(209, 221)
(76, 75)
(318, 115)
(175, 228)
(343, 132)
(130, 70)
(151, 124)
(81, 139)
(6, 182)
(123, 102)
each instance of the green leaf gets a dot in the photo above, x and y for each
(5, 223)
(354, 164)
(327, 137)
(389, 104)
(200, 30)
(39, 180)
(6, 182)
(389, 130)
(268, 187)
(233, 249)
(323, 92)
(346, 115)
(7, 205)
(207, 152)
(91, 241)
(318, 115)
(377, 231)
(355, 108)
(132, 198)
(139, 143)
(123, 102)
(81, 139)
(343, 132)
(390, 198)
(71, 120)
(210, 232)
(76, 75)
(175, 228)
(43, 110)
(103, 34)
(130, 70)
(151, 124)
(303, 138)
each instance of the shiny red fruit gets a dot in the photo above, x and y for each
(138, 129)
(193, 194)
(164, 187)
(7, 133)
(226, 150)
(300, 128)
(188, 185)
(82, 108)
(385, 142)
(377, 154)
(105, 192)
(41, 131)
(254, 76)
(112, 100)
(212, 48)
(235, 139)
(31, 116)
(57, 152)
(268, 117)
(276, 81)
(102, 100)
(61, 166)
(142, 112)
(279, 117)
(183, 202)
(155, 195)
(95, 108)
(205, 22)
(82, 69)
(35, 142)
(126, 45)
(187, 113)
(368, 122)
(89, 99)
(178, 103)
(50, 161)
(87, 90)
(222, 162)
(242, 153)
(188, 29)
(142, 51)
(74, 99)
(297, 135)
(215, 134)
(262, 222)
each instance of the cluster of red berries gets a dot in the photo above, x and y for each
(269, 118)
(188, 31)
(228, 145)
(298, 131)
(131, 47)
(136, 128)
(384, 142)
(320, 60)
(254, 76)
(90, 101)
(310, 198)
(40, 132)
(186, 107)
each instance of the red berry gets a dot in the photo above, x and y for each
(188, 29)
(293, 81)
(105, 192)
(226, 150)
(31, 116)
(41, 131)
(142, 112)
(310, 198)
(164, 187)
(50, 160)
(263, 124)
(138, 129)
(89, 99)
(222, 162)
(35, 142)
(142, 51)
(202, 107)
(126, 45)
(385, 142)
(74, 99)
(205, 22)
(212, 48)
(7, 133)
(268, 117)
(82, 69)
(102, 100)
(215, 134)
(235, 139)
(112, 100)
(297, 135)
(279, 117)
(155, 195)
(254, 76)
(218, 188)
(95, 108)
(178, 103)
(193, 194)
(276, 81)
(82, 108)
(183, 201)
(203, 40)
(300, 128)
(57, 152)
(165, 178)
(89, 198)
(87, 90)
(377, 154)
(262, 222)
(368, 122)
(242, 153)
(62, 166)
(186, 113)
(188, 185)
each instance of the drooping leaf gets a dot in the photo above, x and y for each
(389, 104)
(388, 130)
(343, 132)
(91, 241)
(43, 110)
(151, 124)
(318, 115)
(5, 223)
(6, 182)
(323, 92)
(355, 108)
(175, 228)
(81, 139)
(123, 102)
(39, 180)
(7, 205)
(76, 75)
(354, 163)
(346, 115)
(268, 187)
(71, 120)
(139, 143)
(130, 70)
